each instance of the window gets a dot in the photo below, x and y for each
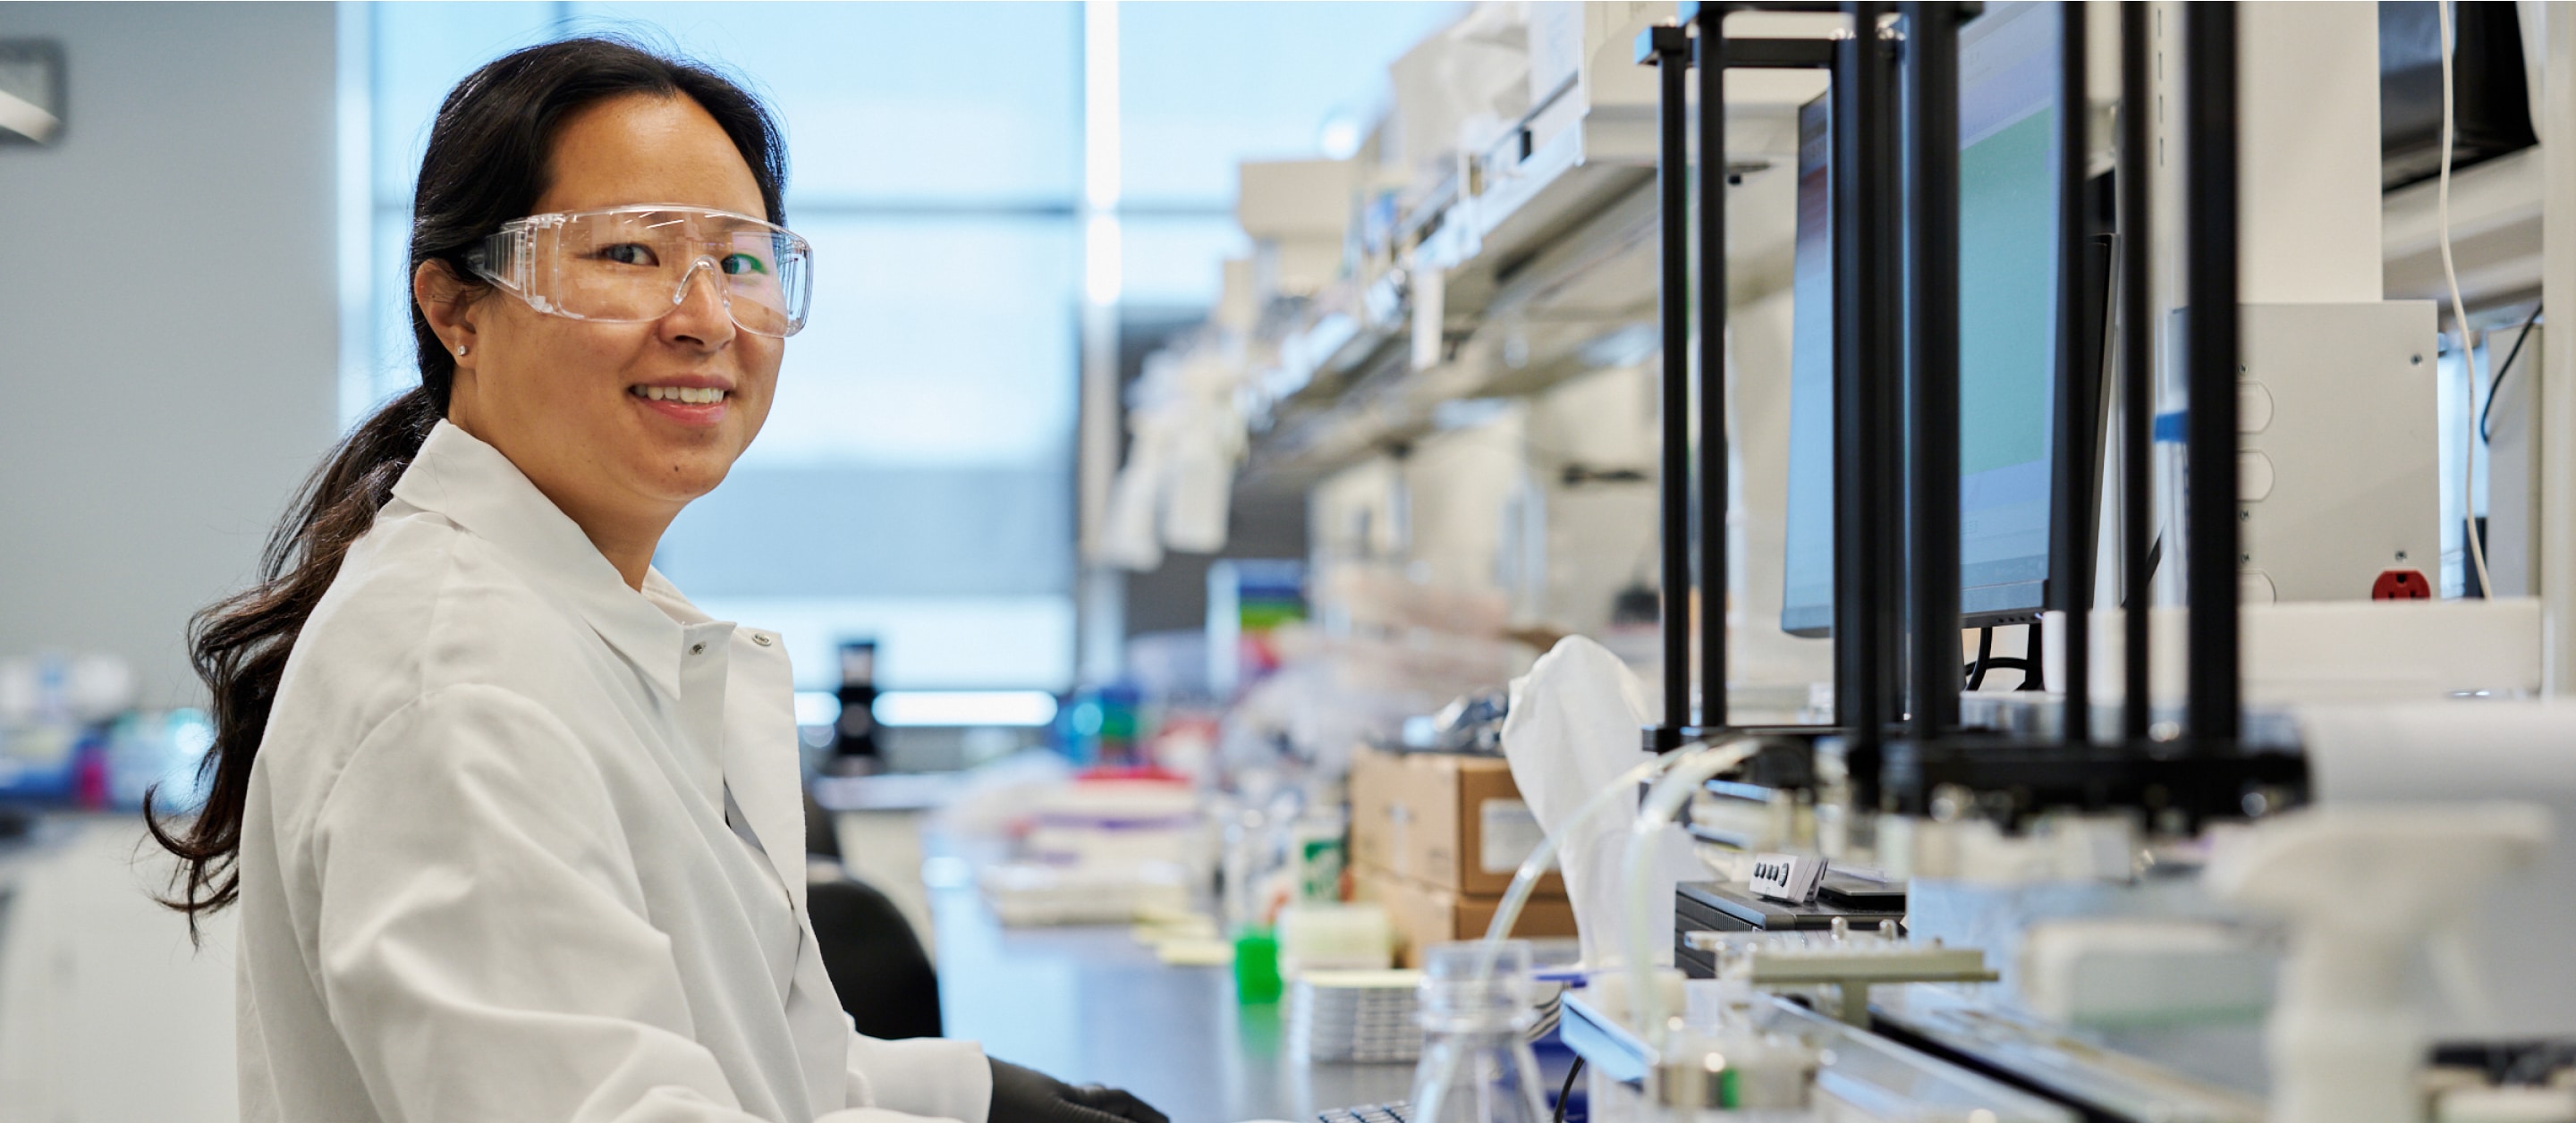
(914, 482)
(1205, 86)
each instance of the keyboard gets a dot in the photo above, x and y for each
(1397, 1112)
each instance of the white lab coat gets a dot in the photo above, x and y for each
(487, 872)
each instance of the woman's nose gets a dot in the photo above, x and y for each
(704, 313)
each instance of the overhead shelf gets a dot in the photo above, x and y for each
(1583, 302)
(1544, 249)
(1530, 192)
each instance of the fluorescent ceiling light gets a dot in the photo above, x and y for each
(964, 708)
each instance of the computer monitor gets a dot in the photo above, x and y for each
(1807, 577)
(2008, 293)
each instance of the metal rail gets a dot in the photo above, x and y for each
(1671, 47)
(1932, 191)
(1714, 580)
(2137, 370)
(2078, 383)
(1867, 387)
(2210, 437)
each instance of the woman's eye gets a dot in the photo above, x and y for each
(742, 263)
(629, 253)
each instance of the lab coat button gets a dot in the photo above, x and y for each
(697, 649)
(761, 638)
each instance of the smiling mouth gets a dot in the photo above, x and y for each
(684, 395)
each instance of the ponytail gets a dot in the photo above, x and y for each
(239, 645)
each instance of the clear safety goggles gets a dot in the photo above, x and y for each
(635, 264)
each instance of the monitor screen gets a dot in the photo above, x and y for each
(1807, 600)
(2008, 290)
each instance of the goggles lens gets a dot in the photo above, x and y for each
(635, 264)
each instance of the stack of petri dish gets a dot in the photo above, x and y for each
(1356, 1016)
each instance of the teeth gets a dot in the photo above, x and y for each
(688, 395)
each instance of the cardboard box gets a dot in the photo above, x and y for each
(1448, 821)
(1424, 914)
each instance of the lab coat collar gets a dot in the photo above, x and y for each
(473, 484)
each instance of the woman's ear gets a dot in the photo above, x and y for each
(446, 302)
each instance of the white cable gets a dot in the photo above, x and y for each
(2477, 551)
(1645, 999)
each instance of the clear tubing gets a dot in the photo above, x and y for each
(1534, 867)
(1645, 1000)
(1525, 881)
(1705, 763)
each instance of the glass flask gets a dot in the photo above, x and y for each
(1476, 1062)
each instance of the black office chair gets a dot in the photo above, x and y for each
(869, 949)
(821, 840)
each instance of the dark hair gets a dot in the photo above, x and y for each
(486, 164)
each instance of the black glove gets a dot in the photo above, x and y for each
(1025, 1095)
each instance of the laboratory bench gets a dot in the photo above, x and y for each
(1091, 1005)
(1088, 1004)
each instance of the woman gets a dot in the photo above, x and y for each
(514, 828)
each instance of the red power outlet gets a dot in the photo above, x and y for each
(2401, 584)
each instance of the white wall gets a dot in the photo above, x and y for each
(168, 319)
(1601, 536)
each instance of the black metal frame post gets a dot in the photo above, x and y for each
(2137, 369)
(1714, 54)
(2071, 523)
(1885, 419)
(1932, 363)
(1851, 673)
(1671, 51)
(1713, 443)
(2015, 779)
(1867, 403)
(2210, 428)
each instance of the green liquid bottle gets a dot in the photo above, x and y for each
(1256, 966)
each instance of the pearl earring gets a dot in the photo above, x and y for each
(460, 352)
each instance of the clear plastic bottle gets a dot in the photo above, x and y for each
(1476, 1062)
(1255, 870)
